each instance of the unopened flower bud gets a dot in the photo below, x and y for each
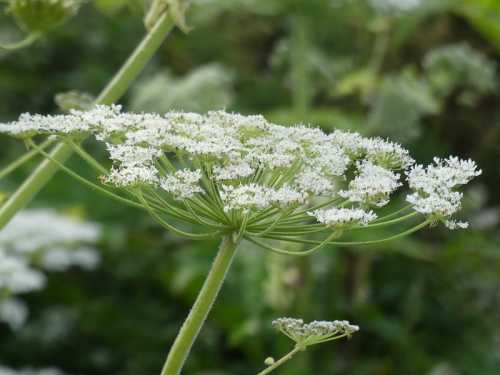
(269, 361)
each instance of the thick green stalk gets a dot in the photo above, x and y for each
(202, 306)
(111, 93)
(301, 81)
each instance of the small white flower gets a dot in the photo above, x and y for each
(182, 184)
(387, 154)
(372, 185)
(60, 259)
(341, 217)
(313, 181)
(453, 224)
(16, 276)
(13, 312)
(254, 196)
(233, 171)
(131, 155)
(38, 240)
(132, 175)
(434, 187)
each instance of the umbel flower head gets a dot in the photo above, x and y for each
(254, 179)
(316, 332)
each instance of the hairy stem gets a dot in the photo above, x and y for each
(202, 306)
(111, 93)
(280, 361)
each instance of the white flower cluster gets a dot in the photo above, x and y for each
(435, 187)
(343, 217)
(182, 184)
(253, 196)
(245, 163)
(14, 312)
(37, 240)
(17, 277)
(315, 332)
(372, 185)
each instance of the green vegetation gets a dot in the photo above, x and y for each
(423, 73)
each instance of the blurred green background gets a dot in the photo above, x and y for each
(423, 73)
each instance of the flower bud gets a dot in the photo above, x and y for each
(38, 16)
(269, 361)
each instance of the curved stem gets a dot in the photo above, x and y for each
(84, 181)
(87, 157)
(30, 39)
(392, 214)
(322, 244)
(389, 222)
(202, 306)
(170, 227)
(111, 93)
(23, 159)
(339, 243)
(280, 361)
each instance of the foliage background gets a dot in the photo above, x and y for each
(426, 305)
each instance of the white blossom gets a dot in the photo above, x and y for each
(182, 184)
(60, 259)
(17, 277)
(313, 181)
(233, 171)
(132, 175)
(387, 154)
(254, 164)
(245, 197)
(372, 185)
(14, 312)
(35, 241)
(341, 217)
(35, 229)
(435, 186)
(131, 155)
(453, 224)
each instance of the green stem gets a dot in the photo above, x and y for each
(194, 321)
(302, 90)
(23, 159)
(338, 243)
(280, 361)
(111, 93)
(28, 40)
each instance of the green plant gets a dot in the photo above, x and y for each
(283, 202)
